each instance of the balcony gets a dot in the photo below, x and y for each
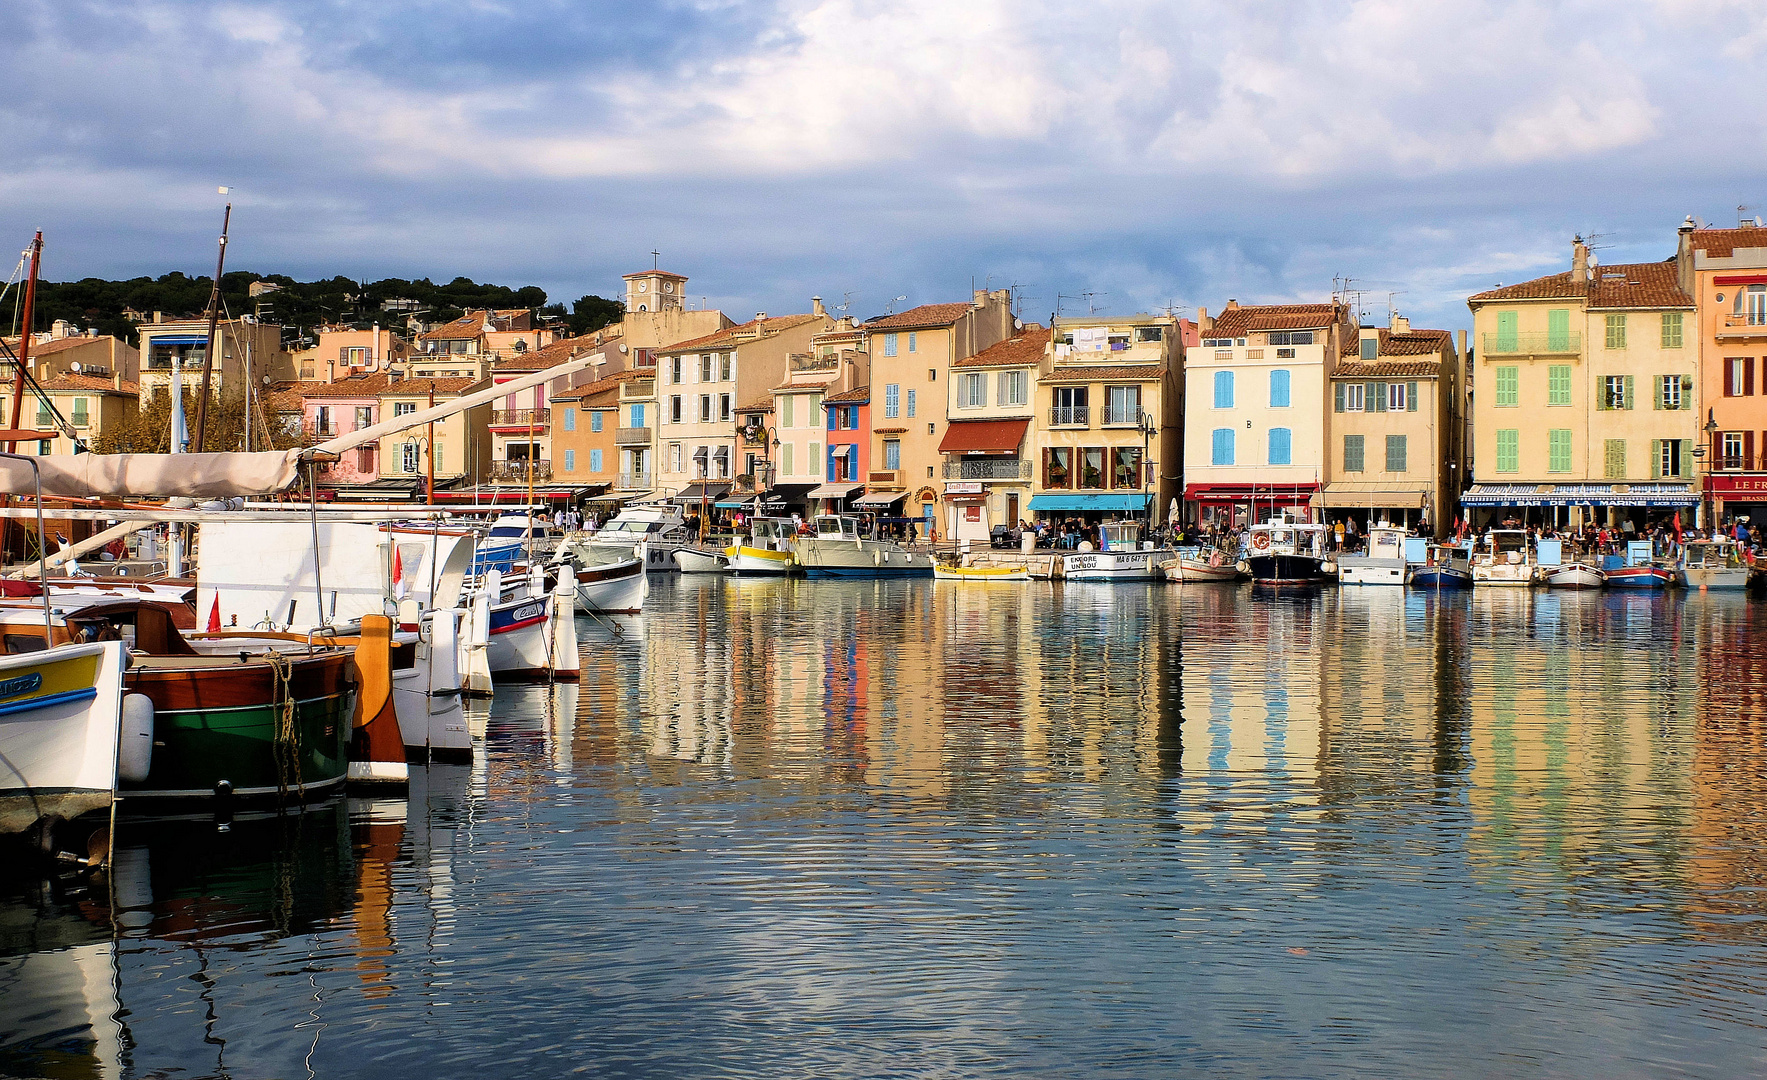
(1070, 416)
(527, 418)
(634, 481)
(802, 362)
(1544, 343)
(752, 435)
(519, 470)
(1748, 324)
(988, 468)
(327, 430)
(1122, 417)
(632, 436)
(890, 478)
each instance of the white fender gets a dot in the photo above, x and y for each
(477, 676)
(444, 650)
(536, 579)
(493, 586)
(135, 744)
(565, 662)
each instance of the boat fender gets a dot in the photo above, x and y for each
(1243, 567)
(135, 741)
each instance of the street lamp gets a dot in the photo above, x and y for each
(1699, 452)
(1148, 428)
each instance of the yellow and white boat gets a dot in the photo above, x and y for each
(981, 573)
(769, 549)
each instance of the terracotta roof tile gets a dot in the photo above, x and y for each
(1414, 343)
(1387, 369)
(354, 386)
(736, 335)
(1025, 347)
(1102, 372)
(1624, 285)
(470, 325)
(924, 315)
(1722, 243)
(856, 396)
(90, 383)
(787, 387)
(556, 353)
(599, 386)
(1238, 322)
(55, 345)
(763, 405)
(419, 387)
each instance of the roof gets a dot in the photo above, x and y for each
(420, 387)
(1413, 343)
(856, 396)
(54, 345)
(654, 273)
(600, 386)
(284, 398)
(763, 405)
(354, 386)
(983, 436)
(1722, 243)
(786, 388)
(1625, 285)
(924, 315)
(1388, 369)
(1239, 321)
(470, 325)
(556, 353)
(91, 383)
(741, 332)
(1102, 372)
(1021, 349)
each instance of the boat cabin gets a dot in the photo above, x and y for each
(837, 527)
(644, 520)
(1714, 555)
(1122, 536)
(1507, 545)
(1386, 542)
(1279, 536)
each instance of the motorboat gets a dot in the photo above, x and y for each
(701, 561)
(1281, 552)
(943, 572)
(1383, 563)
(507, 542)
(768, 550)
(1122, 556)
(62, 734)
(652, 532)
(1202, 567)
(1715, 564)
(837, 550)
(1555, 573)
(1507, 561)
(617, 587)
(1638, 568)
(1448, 566)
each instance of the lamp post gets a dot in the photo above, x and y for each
(1148, 428)
(422, 445)
(1699, 452)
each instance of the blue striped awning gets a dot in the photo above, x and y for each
(178, 339)
(1664, 496)
(1115, 501)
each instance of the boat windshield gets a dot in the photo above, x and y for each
(834, 526)
(1509, 541)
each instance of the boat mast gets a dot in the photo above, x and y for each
(208, 356)
(24, 339)
(429, 485)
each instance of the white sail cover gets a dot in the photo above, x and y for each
(197, 476)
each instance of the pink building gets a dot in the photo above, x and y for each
(338, 408)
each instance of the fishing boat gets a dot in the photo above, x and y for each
(1506, 561)
(768, 550)
(944, 572)
(653, 532)
(1383, 563)
(1637, 568)
(837, 550)
(1285, 553)
(701, 561)
(608, 588)
(62, 734)
(1555, 573)
(1212, 566)
(1122, 556)
(1715, 565)
(519, 634)
(1448, 566)
(506, 543)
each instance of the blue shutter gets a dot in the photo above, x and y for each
(833, 414)
(595, 461)
(1223, 389)
(570, 419)
(1222, 449)
(1279, 389)
(570, 461)
(1280, 441)
(595, 420)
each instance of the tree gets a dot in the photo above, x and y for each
(149, 429)
(591, 313)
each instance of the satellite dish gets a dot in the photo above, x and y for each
(74, 367)
(1018, 324)
(622, 347)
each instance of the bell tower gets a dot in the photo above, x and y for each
(654, 290)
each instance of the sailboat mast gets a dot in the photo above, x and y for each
(208, 356)
(24, 340)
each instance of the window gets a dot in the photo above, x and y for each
(1279, 383)
(675, 457)
(1558, 330)
(1614, 459)
(910, 403)
(1751, 306)
(912, 342)
(1395, 453)
(1739, 376)
(675, 408)
(1285, 354)
(786, 409)
(570, 461)
(1673, 455)
(1281, 446)
(410, 456)
(1126, 467)
(973, 392)
(80, 416)
(1092, 466)
(705, 408)
(404, 408)
(1508, 394)
(1670, 394)
(1616, 331)
(1396, 397)
(1223, 389)
(785, 468)
(724, 360)
(724, 407)
(812, 457)
(706, 361)
(1558, 384)
(1122, 404)
(1369, 349)
(1616, 392)
(1349, 397)
(1058, 467)
(638, 415)
(1508, 449)
(889, 344)
(892, 454)
(595, 420)
(1353, 456)
(675, 370)
(1014, 387)
(892, 401)
(1672, 330)
(1558, 450)
(1287, 337)
(570, 419)
(364, 416)
(1506, 332)
(1221, 447)
(594, 460)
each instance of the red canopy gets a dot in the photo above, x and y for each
(984, 436)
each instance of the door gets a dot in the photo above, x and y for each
(1012, 518)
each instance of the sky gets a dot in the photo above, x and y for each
(1152, 155)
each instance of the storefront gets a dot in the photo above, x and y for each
(835, 498)
(1629, 507)
(1368, 504)
(1737, 497)
(1091, 508)
(1239, 506)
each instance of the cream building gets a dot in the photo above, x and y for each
(342, 352)
(989, 447)
(460, 451)
(86, 402)
(247, 347)
(1587, 406)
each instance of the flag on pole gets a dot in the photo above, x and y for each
(215, 614)
(398, 574)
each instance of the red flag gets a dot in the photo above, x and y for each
(1677, 526)
(398, 573)
(215, 614)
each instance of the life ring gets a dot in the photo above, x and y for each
(1261, 540)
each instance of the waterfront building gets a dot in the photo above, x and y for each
(521, 424)
(88, 401)
(912, 353)
(339, 407)
(56, 352)
(657, 314)
(460, 452)
(799, 443)
(700, 383)
(988, 448)
(849, 448)
(585, 449)
(1587, 402)
(1258, 400)
(1729, 272)
(1109, 408)
(341, 352)
(1395, 428)
(246, 346)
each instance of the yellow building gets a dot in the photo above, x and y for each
(1586, 404)
(461, 450)
(989, 449)
(87, 402)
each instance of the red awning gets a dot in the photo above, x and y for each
(984, 436)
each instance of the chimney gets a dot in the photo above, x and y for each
(1684, 256)
(816, 307)
(1400, 324)
(1579, 259)
(159, 316)
(1233, 305)
(760, 316)
(981, 299)
(1203, 322)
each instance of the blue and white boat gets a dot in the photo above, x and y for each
(506, 544)
(837, 550)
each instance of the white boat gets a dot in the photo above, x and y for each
(837, 550)
(1382, 564)
(520, 632)
(981, 573)
(652, 532)
(507, 542)
(1209, 567)
(61, 725)
(1574, 575)
(1122, 556)
(1715, 564)
(617, 588)
(1283, 552)
(1507, 561)
(700, 561)
(1447, 567)
(769, 549)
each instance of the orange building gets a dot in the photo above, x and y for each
(1729, 272)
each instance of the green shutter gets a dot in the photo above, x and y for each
(1353, 446)
(1508, 449)
(1558, 450)
(1656, 459)
(1558, 330)
(1337, 397)
(1686, 472)
(1601, 394)
(1656, 399)
(1615, 452)
(1506, 331)
(1508, 384)
(1672, 330)
(1410, 397)
(1379, 390)
(1626, 401)
(1558, 386)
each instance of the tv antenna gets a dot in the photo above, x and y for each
(1392, 309)
(1086, 295)
(1018, 297)
(846, 302)
(890, 308)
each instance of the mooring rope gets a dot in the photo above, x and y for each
(286, 747)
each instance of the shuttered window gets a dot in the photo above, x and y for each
(1279, 380)
(1281, 441)
(1223, 389)
(1558, 391)
(1558, 442)
(1672, 330)
(1506, 331)
(1616, 331)
(1508, 449)
(1396, 453)
(1508, 393)
(1558, 330)
(1221, 447)
(1353, 453)
(1614, 459)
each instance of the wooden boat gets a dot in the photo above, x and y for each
(1214, 567)
(1575, 575)
(837, 550)
(616, 588)
(1506, 561)
(1639, 577)
(1285, 553)
(1382, 564)
(1715, 565)
(943, 572)
(769, 549)
(1448, 567)
(1122, 557)
(700, 561)
(62, 736)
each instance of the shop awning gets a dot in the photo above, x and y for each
(835, 491)
(842, 450)
(786, 494)
(620, 496)
(390, 490)
(1664, 496)
(703, 491)
(1352, 494)
(881, 498)
(1285, 493)
(984, 436)
(1115, 501)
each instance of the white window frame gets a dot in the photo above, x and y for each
(974, 394)
(1395, 397)
(1355, 397)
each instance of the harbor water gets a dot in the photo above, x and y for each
(791, 828)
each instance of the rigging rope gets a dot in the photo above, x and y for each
(286, 745)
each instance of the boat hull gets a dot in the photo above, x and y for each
(613, 588)
(1440, 577)
(520, 633)
(1718, 579)
(860, 559)
(1575, 577)
(1115, 565)
(1283, 568)
(1361, 570)
(695, 561)
(753, 560)
(60, 717)
(1639, 577)
(1193, 572)
(982, 573)
(1504, 576)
